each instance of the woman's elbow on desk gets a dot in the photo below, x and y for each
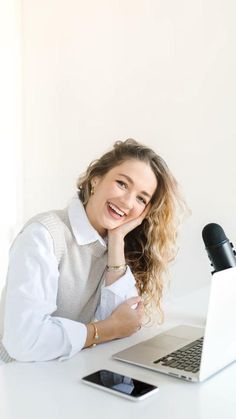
(25, 353)
(50, 342)
(17, 351)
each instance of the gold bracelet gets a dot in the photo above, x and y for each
(96, 335)
(116, 268)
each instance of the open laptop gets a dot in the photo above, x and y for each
(193, 353)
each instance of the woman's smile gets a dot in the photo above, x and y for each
(115, 212)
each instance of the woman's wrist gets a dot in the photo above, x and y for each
(102, 332)
(116, 268)
(116, 264)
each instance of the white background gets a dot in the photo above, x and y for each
(11, 163)
(162, 72)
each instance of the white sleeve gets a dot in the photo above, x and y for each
(31, 333)
(115, 294)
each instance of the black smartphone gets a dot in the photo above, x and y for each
(121, 385)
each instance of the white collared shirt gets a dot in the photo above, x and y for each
(32, 286)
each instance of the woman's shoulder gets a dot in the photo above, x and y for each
(44, 230)
(47, 218)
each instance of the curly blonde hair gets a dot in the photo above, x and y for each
(151, 246)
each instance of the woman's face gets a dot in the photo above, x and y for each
(121, 195)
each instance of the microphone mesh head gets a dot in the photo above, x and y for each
(213, 234)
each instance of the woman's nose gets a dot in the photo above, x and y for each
(128, 201)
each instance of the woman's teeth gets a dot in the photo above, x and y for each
(117, 210)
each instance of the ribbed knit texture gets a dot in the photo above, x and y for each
(81, 268)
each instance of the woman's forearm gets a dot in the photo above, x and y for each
(116, 257)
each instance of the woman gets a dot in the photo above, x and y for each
(87, 274)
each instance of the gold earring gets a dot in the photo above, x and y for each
(92, 190)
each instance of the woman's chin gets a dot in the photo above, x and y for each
(111, 224)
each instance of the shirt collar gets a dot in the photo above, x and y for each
(83, 231)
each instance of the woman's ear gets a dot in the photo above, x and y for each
(95, 181)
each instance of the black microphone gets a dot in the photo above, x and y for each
(220, 251)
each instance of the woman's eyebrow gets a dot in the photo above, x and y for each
(132, 182)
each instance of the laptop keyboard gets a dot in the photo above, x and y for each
(187, 358)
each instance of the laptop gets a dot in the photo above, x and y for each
(194, 353)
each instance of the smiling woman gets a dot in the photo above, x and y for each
(135, 180)
(86, 274)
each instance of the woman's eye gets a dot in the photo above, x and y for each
(141, 199)
(121, 184)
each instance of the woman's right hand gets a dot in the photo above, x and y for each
(127, 320)
(124, 321)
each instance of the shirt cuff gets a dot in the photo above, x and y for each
(115, 294)
(76, 333)
(123, 285)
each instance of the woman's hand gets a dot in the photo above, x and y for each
(125, 228)
(124, 321)
(127, 320)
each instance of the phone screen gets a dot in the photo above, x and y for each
(120, 383)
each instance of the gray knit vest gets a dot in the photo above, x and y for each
(81, 272)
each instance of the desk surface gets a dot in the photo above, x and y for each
(52, 390)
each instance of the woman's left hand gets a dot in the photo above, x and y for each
(125, 228)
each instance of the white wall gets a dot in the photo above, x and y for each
(162, 72)
(10, 128)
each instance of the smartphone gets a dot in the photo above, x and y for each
(121, 385)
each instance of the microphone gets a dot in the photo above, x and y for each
(220, 251)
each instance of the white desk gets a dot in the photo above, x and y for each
(52, 390)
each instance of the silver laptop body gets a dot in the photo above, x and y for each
(216, 344)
